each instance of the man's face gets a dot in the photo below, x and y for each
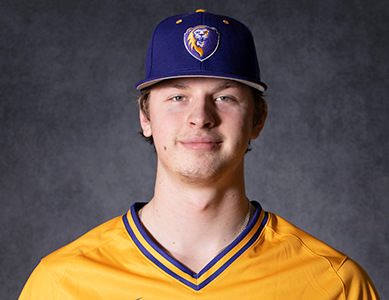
(201, 127)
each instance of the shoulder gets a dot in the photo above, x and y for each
(321, 259)
(357, 282)
(102, 236)
(294, 237)
(45, 280)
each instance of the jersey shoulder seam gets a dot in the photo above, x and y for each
(271, 215)
(82, 253)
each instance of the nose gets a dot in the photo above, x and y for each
(202, 113)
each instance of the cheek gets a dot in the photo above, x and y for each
(160, 141)
(163, 132)
(243, 121)
(249, 118)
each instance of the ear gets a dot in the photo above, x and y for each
(258, 128)
(145, 124)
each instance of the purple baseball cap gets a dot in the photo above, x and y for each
(202, 44)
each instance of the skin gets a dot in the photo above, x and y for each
(201, 129)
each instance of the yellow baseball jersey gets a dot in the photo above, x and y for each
(270, 259)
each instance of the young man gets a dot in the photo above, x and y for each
(199, 237)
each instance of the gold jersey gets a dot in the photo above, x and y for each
(270, 259)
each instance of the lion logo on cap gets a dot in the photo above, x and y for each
(201, 41)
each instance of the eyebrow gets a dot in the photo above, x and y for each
(177, 85)
(224, 86)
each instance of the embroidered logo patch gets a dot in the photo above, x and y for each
(201, 41)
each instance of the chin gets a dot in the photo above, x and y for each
(201, 175)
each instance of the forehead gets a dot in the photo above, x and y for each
(204, 83)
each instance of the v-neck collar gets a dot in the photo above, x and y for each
(174, 268)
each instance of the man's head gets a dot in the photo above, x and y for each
(201, 127)
(204, 45)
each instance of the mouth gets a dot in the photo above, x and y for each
(206, 143)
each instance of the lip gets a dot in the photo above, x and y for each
(204, 143)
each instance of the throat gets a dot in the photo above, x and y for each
(196, 250)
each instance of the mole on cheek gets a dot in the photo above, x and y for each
(164, 148)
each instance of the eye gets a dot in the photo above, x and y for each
(178, 98)
(223, 98)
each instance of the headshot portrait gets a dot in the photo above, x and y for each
(194, 150)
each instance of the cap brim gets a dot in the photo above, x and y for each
(259, 86)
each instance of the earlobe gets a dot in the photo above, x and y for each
(256, 131)
(145, 124)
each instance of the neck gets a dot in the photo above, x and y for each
(195, 222)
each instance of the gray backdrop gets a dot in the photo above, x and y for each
(71, 157)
